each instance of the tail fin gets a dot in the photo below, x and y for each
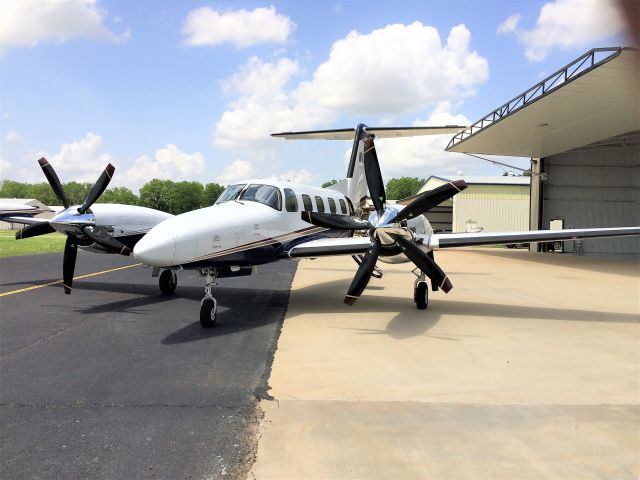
(354, 186)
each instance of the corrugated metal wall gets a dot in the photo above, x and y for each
(597, 187)
(495, 208)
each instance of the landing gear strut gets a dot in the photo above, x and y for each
(421, 291)
(209, 305)
(168, 281)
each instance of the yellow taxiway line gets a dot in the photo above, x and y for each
(34, 287)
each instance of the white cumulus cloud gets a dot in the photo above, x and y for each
(205, 26)
(301, 176)
(423, 156)
(5, 165)
(395, 70)
(565, 24)
(263, 109)
(81, 160)
(168, 163)
(26, 23)
(12, 136)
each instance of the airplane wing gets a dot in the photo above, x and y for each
(23, 220)
(378, 132)
(449, 240)
(331, 246)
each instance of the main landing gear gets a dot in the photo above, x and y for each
(420, 290)
(208, 306)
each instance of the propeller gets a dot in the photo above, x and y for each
(387, 237)
(76, 222)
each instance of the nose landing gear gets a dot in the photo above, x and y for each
(209, 305)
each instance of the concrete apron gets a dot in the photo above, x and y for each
(528, 368)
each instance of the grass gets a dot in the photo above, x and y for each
(10, 247)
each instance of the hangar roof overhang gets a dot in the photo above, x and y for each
(595, 97)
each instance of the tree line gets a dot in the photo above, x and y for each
(165, 195)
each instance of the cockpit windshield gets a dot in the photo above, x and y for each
(230, 193)
(266, 194)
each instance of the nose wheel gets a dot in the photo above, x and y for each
(209, 305)
(168, 281)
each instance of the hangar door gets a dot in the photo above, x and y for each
(441, 217)
(596, 186)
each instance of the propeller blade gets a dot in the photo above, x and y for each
(34, 230)
(105, 240)
(98, 188)
(69, 262)
(427, 200)
(363, 274)
(331, 220)
(54, 181)
(374, 177)
(423, 262)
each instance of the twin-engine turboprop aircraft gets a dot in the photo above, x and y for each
(260, 221)
(100, 228)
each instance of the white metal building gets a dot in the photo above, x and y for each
(581, 128)
(493, 203)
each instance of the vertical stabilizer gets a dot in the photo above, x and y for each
(356, 181)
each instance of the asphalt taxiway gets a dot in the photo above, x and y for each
(119, 381)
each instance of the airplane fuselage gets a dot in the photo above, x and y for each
(253, 222)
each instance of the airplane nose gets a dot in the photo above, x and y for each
(156, 249)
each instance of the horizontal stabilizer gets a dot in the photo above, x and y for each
(378, 132)
(450, 240)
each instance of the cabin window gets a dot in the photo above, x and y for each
(230, 193)
(265, 194)
(343, 206)
(306, 200)
(332, 205)
(290, 200)
(320, 204)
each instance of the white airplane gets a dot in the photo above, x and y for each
(259, 221)
(99, 228)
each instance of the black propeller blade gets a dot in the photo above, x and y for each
(363, 275)
(423, 262)
(105, 240)
(98, 188)
(331, 220)
(69, 262)
(427, 200)
(374, 177)
(54, 181)
(34, 230)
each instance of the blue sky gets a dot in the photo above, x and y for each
(191, 90)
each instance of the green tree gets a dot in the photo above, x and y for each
(399, 188)
(76, 192)
(157, 194)
(329, 183)
(44, 193)
(120, 195)
(186, 196)
(13, 189)
(211, 193)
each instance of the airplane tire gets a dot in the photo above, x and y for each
(208, 312)
(168, 281)
(421, 295)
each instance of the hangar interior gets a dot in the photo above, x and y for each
(581, 129)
